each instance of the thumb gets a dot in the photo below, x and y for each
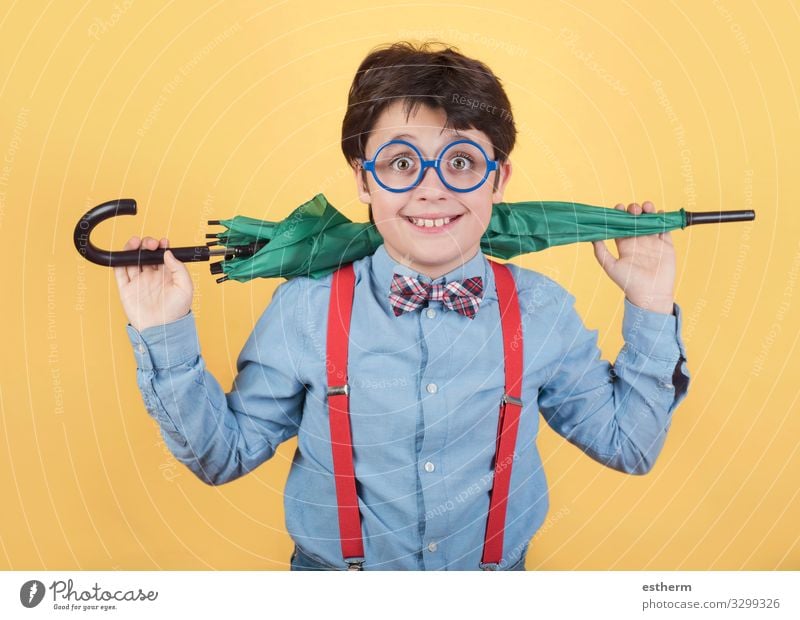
(178, 271)
(603, 256)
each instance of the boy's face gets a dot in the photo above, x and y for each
(433, 251)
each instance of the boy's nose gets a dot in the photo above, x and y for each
(431, 180)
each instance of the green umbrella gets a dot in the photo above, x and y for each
(315, 239)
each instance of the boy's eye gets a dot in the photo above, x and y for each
(461, 162)
(403, 163)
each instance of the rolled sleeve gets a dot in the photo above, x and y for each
(657, 339)
(221, 436)
(165, 346)
(653, 333)
(618, 414)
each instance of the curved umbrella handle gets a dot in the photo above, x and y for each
(122, 258)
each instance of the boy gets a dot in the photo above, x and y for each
(427, 358)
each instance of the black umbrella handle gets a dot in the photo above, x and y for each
(719, 217)
(123, 258)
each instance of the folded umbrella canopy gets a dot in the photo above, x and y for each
(316, 239)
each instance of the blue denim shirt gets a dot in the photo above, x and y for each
(424, 404)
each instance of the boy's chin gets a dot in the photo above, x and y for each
(439, 253)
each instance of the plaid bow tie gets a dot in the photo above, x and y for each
(407, 294)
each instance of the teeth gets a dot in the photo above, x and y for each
(423, 223)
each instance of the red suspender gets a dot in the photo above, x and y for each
(341, 306)
(510, 409)
(339, 313)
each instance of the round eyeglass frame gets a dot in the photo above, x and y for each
(369, 165)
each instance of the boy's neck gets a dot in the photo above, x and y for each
(431, 271)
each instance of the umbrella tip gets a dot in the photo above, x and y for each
(222, 279)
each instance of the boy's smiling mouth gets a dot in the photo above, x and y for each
(433, 223)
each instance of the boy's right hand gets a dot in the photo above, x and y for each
(154, 294)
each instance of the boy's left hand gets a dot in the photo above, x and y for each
(645, 269)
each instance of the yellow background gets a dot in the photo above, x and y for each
(203, 111)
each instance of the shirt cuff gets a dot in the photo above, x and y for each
(654, 334)
(165, 346)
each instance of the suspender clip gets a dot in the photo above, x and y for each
(338, 390)
(355, 563)
(512, 400)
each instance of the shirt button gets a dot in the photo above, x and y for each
(140, 348)
(432, 388)
(430, 313)
(432, 546)
(429, 467)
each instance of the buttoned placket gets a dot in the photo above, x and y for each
(433, 399)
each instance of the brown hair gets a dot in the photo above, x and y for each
(470, 94)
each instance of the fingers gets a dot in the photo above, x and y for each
(121, 273)
(646, 207)
(649, 207)
(636, 209)
(633, 209)
(126, 274)
(149, 243)
(663, 236)
(132, 271)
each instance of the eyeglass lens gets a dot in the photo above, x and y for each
(463, 165)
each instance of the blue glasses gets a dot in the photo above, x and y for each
(399, 166)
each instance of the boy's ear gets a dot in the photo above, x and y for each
(362, 187)
(502, 176)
